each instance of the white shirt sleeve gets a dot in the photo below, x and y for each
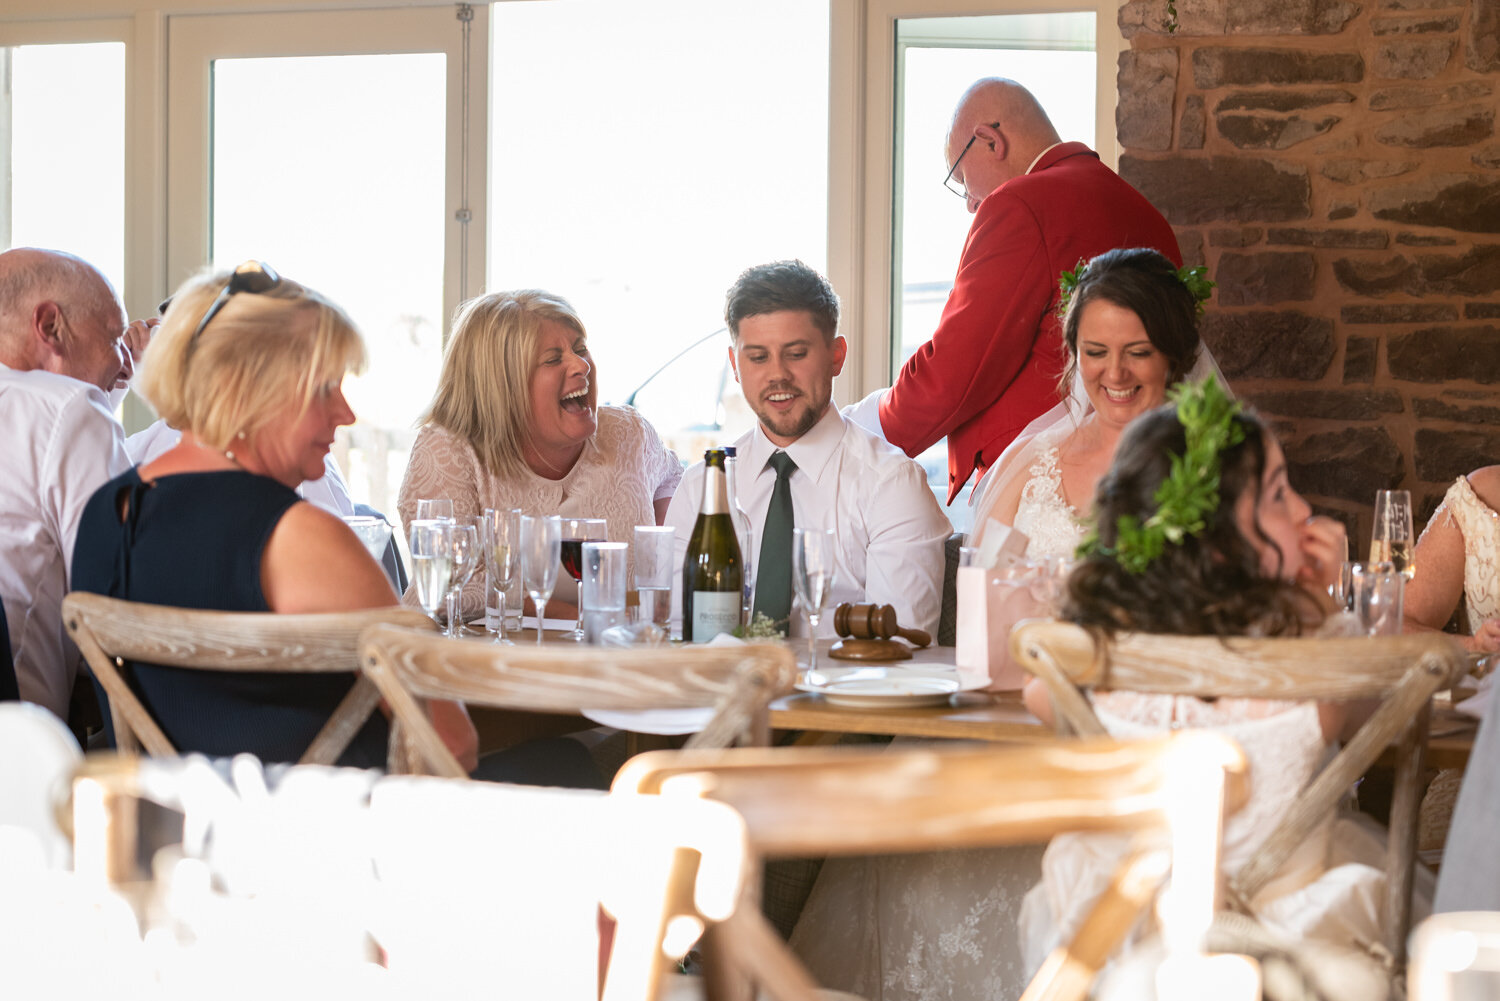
(87, 450)
(328, 492)
(904, 555)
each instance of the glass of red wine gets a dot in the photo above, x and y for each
(575, 532)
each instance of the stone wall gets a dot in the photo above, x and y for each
(1336, 166)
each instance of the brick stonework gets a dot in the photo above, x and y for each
(1336, 166)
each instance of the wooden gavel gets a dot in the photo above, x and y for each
(870, 621)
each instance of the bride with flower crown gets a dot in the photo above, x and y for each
(943, 926)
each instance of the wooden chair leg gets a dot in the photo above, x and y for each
(1406, 797)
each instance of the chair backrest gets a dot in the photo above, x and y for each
(841, 801)
(109, 631)
(738, 682)
(1402, 672)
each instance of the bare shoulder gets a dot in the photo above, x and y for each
(1486, 484)
(314, 563)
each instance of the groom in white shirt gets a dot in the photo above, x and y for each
(785, 351)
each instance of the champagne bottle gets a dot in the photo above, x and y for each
(741, 533)
(712, 572)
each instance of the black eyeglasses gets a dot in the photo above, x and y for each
(962, 190)
(252, 276)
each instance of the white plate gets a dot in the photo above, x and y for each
(884, 687)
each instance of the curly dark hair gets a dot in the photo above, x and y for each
(1145, 282)
(1212, 583)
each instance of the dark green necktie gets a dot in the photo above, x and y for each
(773, 580)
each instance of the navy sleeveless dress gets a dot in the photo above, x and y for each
(195, 540)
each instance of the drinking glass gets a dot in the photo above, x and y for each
(812, 576)
(502, 547)
(466, 559)
(1342, 590)
(541, 548)
(1377, 590)
(431, 544)
(575, 532)
(1391, 540)
(655, 565)
(748, 557)
(429, 510)
(601, 593)
(375, 533)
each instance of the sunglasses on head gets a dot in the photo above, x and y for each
(252, 276)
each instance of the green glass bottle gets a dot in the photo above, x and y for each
(713, 572)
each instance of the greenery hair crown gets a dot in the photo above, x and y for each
(1195, 280)
(1190, 493)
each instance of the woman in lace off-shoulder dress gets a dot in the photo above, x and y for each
(942, 926)
(1131, 331)
(516, 423)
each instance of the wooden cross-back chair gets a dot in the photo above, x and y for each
(738, 682)
(1402, 672)
(110, 631)
(798, 802)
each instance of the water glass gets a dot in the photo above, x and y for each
(1377, 589)
(375, 533)
(431, 561)
(430, 509)
(502, 551)
(812, 578)
(1391, 540)
(602, 590)
(655, 566)
(541, 550)
(748, 556)
(968, 556)
(1342, 590)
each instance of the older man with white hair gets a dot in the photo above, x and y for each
(62, 331)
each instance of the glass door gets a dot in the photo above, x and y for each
(331, 146)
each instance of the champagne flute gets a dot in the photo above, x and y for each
(541, 548)
(502, 548)
(575, 532)
(434, 509)
(466, 558)
(812, 576)
(1391, 540)
(431, 561)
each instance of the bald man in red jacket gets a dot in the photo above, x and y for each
(1040, 205)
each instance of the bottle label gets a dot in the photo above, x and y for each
(714, 612)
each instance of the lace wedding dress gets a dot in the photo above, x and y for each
(1480, 526)
(939, 926)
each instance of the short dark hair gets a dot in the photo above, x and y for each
(1145, 282)
(1210, 583)
(780, 285)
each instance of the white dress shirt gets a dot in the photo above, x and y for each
(61, 444)
(329, 492)
(889, 528)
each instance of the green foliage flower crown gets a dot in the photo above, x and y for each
(1194, 279)
(1190, 493)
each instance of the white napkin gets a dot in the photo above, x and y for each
(671, 722)
(1478, 704)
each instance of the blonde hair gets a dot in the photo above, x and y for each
(484, 391)
(259, 352)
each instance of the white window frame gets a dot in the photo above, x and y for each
(197, 40)
(861, 171)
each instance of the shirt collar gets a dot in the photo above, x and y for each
(811, 452)
(1039, 156)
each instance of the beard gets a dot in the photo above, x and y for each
(794, 424)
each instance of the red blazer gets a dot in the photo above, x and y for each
(993, 363)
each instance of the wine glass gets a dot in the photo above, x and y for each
(541, 548)
(434, 509)
(431, 561)
(575, 532)
(502, 547)
(1391, 540)
(466, 559)
(812, 576)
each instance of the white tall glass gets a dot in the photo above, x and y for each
(655, 565)
(502, 553)
(432, 508)
(467, 558)
(541, 549)
(812, 576)
(431, 544)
